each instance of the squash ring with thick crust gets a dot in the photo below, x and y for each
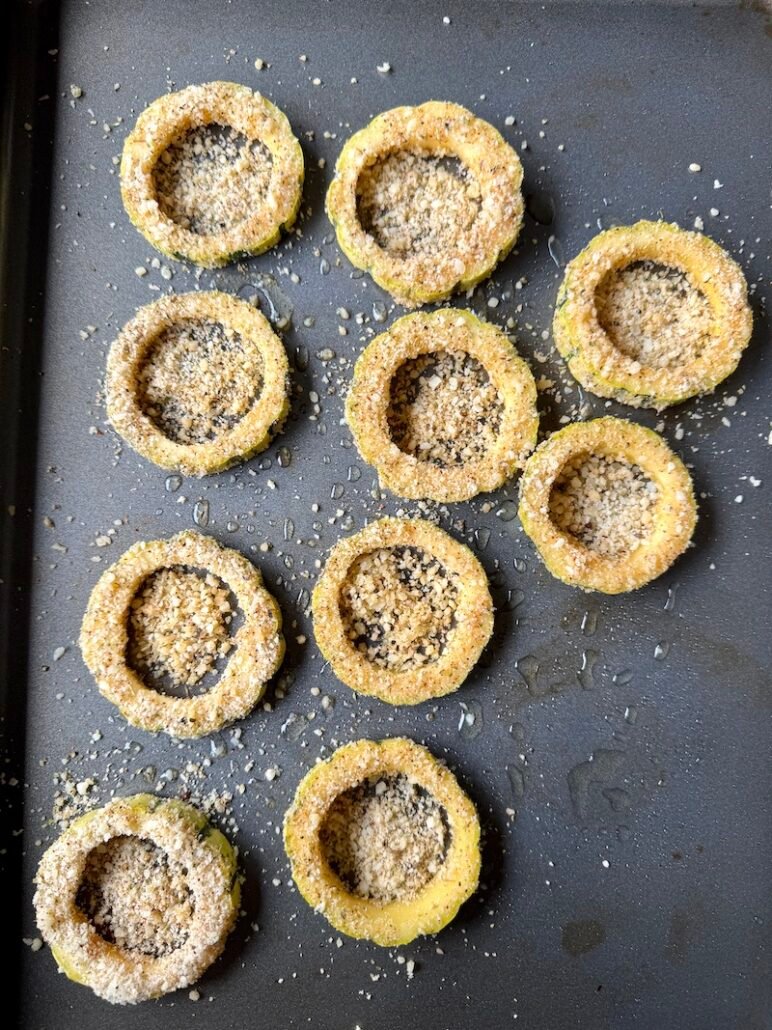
(115, 973)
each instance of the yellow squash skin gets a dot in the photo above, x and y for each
(439, 129)
(566, 557)
(393, 923)
(590, 353)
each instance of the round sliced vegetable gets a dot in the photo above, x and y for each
(383, 841)
(197, 382)
(402, 611)
(442, 406)
(137, 623)
(136, 899)
(651, 315)
(212, 173)
(427, 200)
(608, 505)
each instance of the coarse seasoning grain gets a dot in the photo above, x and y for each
(179, 626)
(398, 606)
(606, 504)
(385, 838)
(136, 896)
(654, 315)
(212, 178)
(412, 203)
(444, 408)
(199, 379)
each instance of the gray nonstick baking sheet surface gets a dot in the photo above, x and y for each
(620, 747)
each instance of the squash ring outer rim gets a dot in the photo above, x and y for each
(85, 956)
(465, 644)
(248, 112)
(250, 435)
(368, 401)
(256, 657)
(394, 923)
(445, 129)
(566, 557)
(589, 351)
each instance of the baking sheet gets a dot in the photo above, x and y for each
(630, 735)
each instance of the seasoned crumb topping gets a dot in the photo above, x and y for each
(212, 178)
(654, 314)
(444, 408)
(136, 896)
(385, 838)
(398, 607)
(412, 203)
(606, 504)
(179, 627)
(199, 379)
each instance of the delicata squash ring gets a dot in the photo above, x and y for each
(402, 611)
(438, 132)
(104, 638)
(259, 212)
(700, 321)
(595, 457)
(389, 772)
(193, 929)
(490, 410)
(237, 382)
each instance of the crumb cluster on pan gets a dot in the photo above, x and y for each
(608, 505)
(383, 841)
(651, 315)
(257, 646)
(443, 407)
(197, 382)
(402, 611)
(427, 200)
(212, 173)
(136, 899)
